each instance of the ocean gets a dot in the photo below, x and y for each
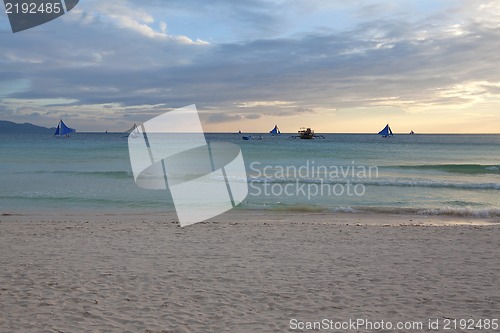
(417, 174)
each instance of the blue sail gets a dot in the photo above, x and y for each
(275, 131)
(62, 129)
(386, 131)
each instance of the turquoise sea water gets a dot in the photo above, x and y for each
(427, 174)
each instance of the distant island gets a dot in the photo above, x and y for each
(10, 127)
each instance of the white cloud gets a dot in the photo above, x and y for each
(129, 16)
(254, 104)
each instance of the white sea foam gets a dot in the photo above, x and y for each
(401, 182)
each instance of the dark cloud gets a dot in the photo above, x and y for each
(222, 118)
(253, 116)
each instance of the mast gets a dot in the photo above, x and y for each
(62, 129)
(58, 129)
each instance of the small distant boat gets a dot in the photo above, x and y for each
(275, 131)
(63, 130)
(386, 132)
(239, 131)
(411, 132)
(251, 137)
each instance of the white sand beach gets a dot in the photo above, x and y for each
(243, 271)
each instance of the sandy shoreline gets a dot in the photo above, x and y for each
(243, 272)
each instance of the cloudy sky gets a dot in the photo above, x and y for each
(337, 66)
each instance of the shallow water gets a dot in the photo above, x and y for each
(431, 174)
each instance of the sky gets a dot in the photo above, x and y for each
(334, 66)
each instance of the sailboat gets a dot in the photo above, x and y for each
(386, 132)
(133, 132)
(131, 129)
(275, 130)
(63, 130)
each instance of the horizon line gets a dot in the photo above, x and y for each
(283, 133)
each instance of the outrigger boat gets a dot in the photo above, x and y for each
(307, 134)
